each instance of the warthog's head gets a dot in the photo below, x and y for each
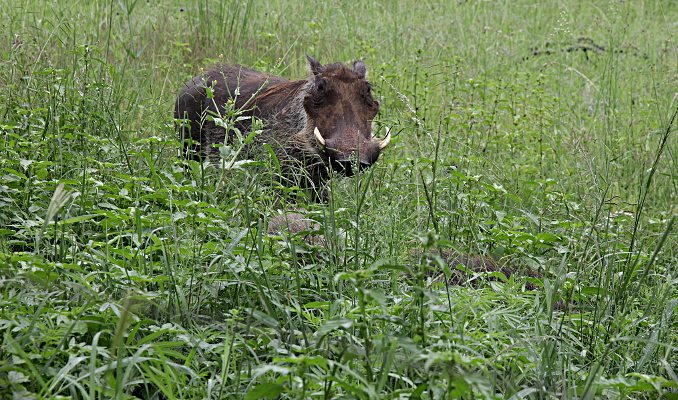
(339, 110)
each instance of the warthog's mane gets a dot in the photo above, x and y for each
(286, 130)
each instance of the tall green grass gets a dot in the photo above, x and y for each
(537, 135)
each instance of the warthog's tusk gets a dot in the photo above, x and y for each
(319, 138)
(385, 141)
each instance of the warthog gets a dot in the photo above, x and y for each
(483, 266)
(292, 222)
(313, 125)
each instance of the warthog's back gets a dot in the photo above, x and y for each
(228, 83)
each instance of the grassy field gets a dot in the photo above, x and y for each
(538, 135)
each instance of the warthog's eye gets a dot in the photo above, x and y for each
(321, 84)
(319, 93)
(368, 90)
(368, 95)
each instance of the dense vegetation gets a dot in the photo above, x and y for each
(539, 135)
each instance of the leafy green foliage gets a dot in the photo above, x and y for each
(545, 147)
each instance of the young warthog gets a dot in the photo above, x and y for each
(313, 125)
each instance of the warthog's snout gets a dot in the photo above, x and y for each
(350, 150)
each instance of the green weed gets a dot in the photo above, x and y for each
(534, 136)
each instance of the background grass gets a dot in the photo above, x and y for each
(536, 135)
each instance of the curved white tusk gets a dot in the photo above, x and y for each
(319, 138)
(385, 141)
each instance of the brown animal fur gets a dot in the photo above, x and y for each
(474, 264)
(292, 223)
(482, 265)
(335, 99)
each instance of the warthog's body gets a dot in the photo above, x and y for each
(292, 222)
(313, 125)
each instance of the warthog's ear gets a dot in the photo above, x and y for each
(360, 68)
(316, 67)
